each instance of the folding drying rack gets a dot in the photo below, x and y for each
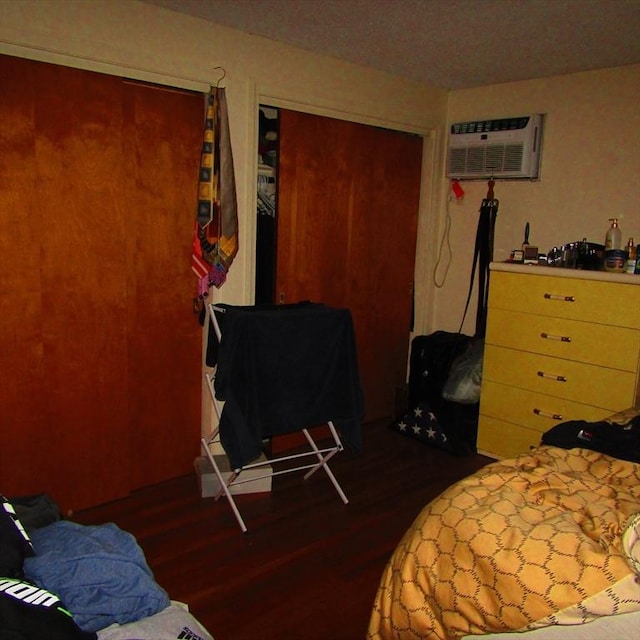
(312, 459)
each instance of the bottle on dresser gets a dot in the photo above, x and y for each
(615, 256)
(632, 257)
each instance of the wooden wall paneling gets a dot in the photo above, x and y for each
(163, 138)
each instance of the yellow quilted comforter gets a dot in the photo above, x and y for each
(550, 537)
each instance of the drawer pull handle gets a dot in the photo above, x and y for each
(551, 376)
(553, 296)
(550, 336)
(546, 414)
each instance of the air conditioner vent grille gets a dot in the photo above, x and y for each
(500, 153)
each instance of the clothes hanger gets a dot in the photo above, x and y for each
(222, 77)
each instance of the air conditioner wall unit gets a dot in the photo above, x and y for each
(500, 148)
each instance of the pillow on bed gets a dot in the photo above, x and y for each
(15, 544)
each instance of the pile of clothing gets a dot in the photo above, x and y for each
(65, 581)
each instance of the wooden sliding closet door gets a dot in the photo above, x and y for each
(100, 355)
(162, 143)
(348, 199)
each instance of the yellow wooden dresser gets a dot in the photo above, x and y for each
(561, 344)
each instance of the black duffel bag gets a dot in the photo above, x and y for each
(430, 363)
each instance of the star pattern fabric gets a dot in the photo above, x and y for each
(421, 423)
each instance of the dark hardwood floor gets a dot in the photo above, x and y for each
(309, 566)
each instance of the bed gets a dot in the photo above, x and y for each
(546, 544)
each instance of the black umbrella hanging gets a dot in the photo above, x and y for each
(482, 257)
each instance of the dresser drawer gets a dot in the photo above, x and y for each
(598, 344)
(603, 387)
(534, 410)
(587, 300)
(503, 439)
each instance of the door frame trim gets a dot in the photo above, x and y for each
(430, 195)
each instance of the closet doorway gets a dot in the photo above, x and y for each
(345, 224)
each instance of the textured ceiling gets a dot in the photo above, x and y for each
(453, 44)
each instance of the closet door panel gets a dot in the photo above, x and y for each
(77, 233)
(162, 142)
(79, 171)
(313, 232)
(385, 196)
(100, 349)
(21, 347)
(348, 197)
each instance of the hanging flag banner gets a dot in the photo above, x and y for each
(215, 241)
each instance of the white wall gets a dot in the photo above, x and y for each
(590, 170)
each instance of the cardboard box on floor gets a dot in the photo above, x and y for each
(210, 485)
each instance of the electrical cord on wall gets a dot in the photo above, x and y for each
(456, 192)
(445, 241)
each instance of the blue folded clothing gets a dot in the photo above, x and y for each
(99, 572)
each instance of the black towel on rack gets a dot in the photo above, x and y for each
(281, 369)
(213, 344)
